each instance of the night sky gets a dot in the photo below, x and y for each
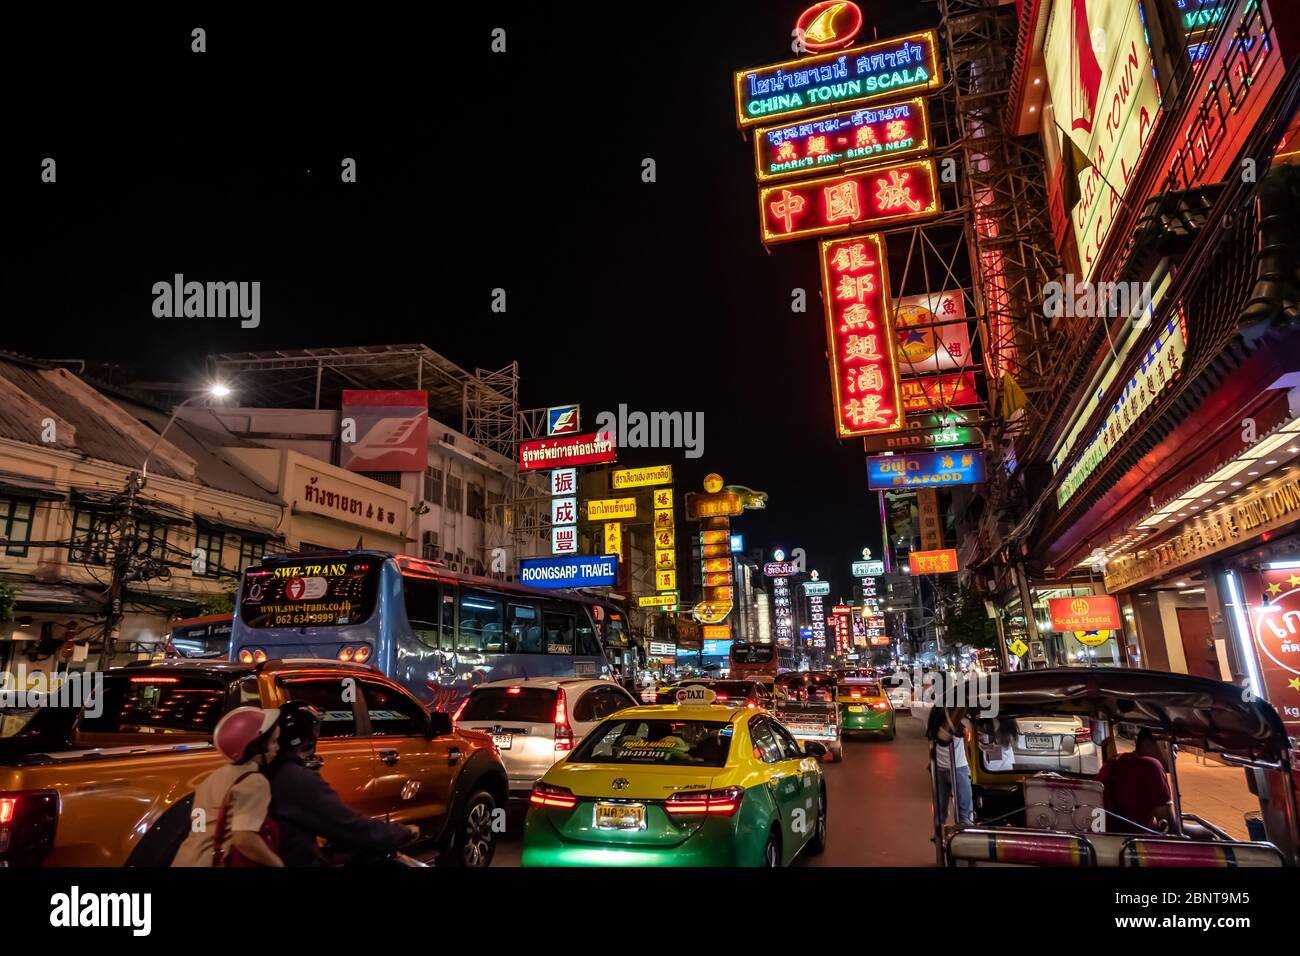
(225, 166)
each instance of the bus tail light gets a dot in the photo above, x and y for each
(259, 655)
(545, 795)
(563, 730)
(345, 653)
(245, 656)
(363, 654)
(724, 802)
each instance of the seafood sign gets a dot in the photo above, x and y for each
(926, 469)
(906, 64)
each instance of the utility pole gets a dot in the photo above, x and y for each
(124, 555)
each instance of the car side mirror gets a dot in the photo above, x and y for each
(439, 723)
(814, 749)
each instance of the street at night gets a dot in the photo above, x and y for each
(652, 441)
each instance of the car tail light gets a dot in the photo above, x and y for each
(345, 654)
(880, 705)
(1082, 735)
(245, 656)
(27, 824)
(514, 689)
(752, 704)
(563, 730)
(719, 696)
(724, 802)
(545, 795)
(855, 693)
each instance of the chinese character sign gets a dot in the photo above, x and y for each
(564, 481)
(933, 562)
(814, 207)
(825, 143)
(614, 538)
(931, 392)
(926, 469)
(859, 336)
(933, 334)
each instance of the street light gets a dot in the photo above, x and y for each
(215, 390)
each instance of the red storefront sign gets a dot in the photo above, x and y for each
(840, 203)
(864, 369)
(1275, 620)
(933, 562)
(823, 144)
(559, 452)
(939, 391)
(1095, 613)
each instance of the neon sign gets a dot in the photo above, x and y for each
(828, 25)
(838, 203)
(859, 337)
(906, 64)
(852, 136)
(929, 392)
(926, 469)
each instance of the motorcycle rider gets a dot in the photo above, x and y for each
(306, 806)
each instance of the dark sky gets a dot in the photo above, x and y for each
(527, 176)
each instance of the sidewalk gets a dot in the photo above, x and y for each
(1216, 793)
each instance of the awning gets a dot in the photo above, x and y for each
(30, 488)
(243, 528)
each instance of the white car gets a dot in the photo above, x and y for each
(898, 688)
(537, 721)
(1058, 743)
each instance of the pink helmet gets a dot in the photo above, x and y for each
(241, 728)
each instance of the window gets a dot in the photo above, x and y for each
(523, 629)
(429, 545)
(494, 510)
(336, 593)
(588, 643)
(766, 740)
(16, 525)
(153, 704)
(327, 696)
(480, 621)
(474, 501)
(151, 539)
(208, 543)
(449, 618)
(392, 713)
(433, 486)
(640, 740)
(423, 600)
(559, 632)
(600, 702)
(251, 551)
(793, 751)
(90, 533)
(528, 705)
(455, 499)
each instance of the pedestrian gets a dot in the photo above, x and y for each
(232, 804)
(946, 730)
(306, 807)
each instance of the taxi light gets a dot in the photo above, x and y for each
(345, 654)
(363, 654)
(724, 802)
(259, 655)
(7, 805)
(245, 656)
(563, 732)
(545, 795)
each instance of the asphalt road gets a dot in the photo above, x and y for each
(878, 800)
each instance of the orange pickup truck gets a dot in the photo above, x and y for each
(112, 784)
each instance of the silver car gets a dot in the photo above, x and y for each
(537, 721)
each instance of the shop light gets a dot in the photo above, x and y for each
(1282, 565)
(1241, 628)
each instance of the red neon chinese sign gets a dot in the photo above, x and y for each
(864, 370)
(829, 24)
(840, 203)
(565, 450)
(933, 562)
(825, 143)
(939, 391)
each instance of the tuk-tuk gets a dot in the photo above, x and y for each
(1039, 790)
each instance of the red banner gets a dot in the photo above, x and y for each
(933, 562)
(939, 391)
(840, 203)
(1094, 613)
(864, 369)
(559, 452)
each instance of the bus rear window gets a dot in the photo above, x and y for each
(316, 592)
(752, 653)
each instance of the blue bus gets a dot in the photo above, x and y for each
(435, 631)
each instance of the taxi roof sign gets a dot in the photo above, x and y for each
(695, 696)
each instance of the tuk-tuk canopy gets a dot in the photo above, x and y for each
(1190, 710)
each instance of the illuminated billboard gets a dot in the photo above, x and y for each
(864, 373)
(825, 143)
(390, 430)
(868, 198)
(592, 449)
(926, 469)
(906, 64)
(935, 392)
(638, 477)
(608, 509)
(933, 562)
(933, 335)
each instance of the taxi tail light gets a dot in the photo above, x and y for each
(724, 802)
(1082, 735)
(27, 824)
(546, 795)
(880, 705)
(563, 729)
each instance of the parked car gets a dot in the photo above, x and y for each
(115, 787)
(537, 721)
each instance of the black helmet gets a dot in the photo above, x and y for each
(299, 725)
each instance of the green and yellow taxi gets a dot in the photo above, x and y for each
(692, 783)
(864, 707)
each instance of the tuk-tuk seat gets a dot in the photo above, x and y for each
(1157, 852)
(976, 845)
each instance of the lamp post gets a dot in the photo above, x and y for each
(125, 558)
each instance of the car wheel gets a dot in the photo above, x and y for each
(893, 729)
(772, 851)
(474, 841)
(818, 842)
(837, 753)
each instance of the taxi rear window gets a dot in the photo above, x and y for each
(664, 741)
(859, 689)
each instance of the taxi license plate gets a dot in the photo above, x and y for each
(1039, 741)
(856, 708)
(502, 741)
(620, 816)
